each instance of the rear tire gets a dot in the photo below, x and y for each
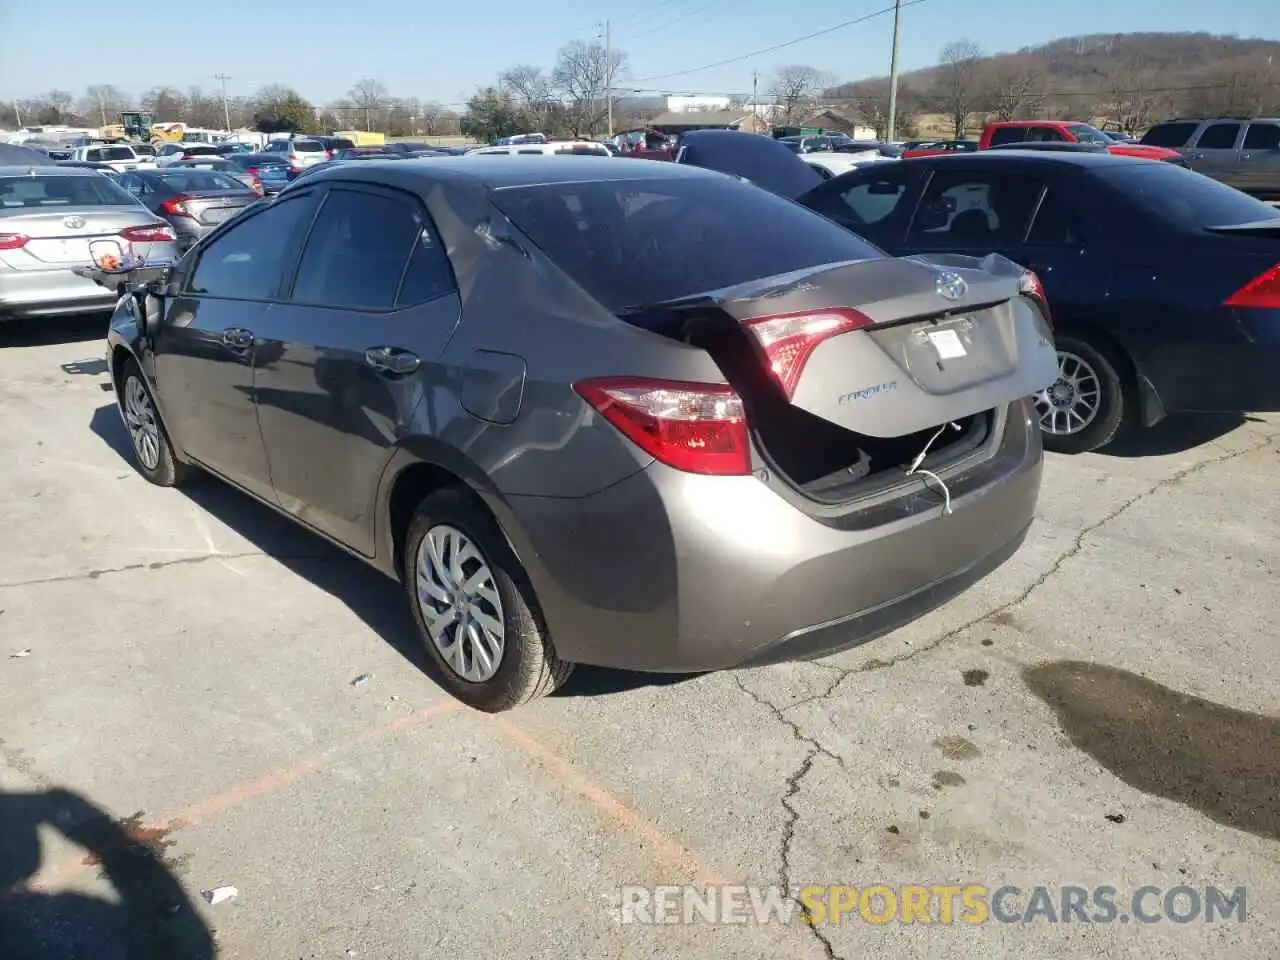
(152, 451)
(474, 608)
(1091, 387)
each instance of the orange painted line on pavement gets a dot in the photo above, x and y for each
(614, 808)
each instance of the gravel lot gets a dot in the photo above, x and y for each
(1103, 710)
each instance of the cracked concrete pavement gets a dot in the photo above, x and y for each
(1101, 711)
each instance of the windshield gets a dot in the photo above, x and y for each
(634, 242)
(191, 181)
(1179, 197)
(89, 191)
(1087, 134)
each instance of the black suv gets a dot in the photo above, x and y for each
(1242, 152)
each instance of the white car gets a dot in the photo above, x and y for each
(586, 148)
(833, 164)
(119, 157)
(173, 152)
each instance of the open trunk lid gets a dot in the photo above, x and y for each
(889, 347)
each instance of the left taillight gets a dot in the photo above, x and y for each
(694, 427)
(13, 241)
(1030, 285)
(151, 234)
(787, 341)
(1260, 293)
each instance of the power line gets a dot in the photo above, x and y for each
(779, 46)
(666, 25)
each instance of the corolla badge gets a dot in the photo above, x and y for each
(74, 223)
(950, 286)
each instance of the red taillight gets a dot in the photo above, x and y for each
(252, 171)
(694, 427)
(152, 234)
(176, 206)
(789, 340)
(1260, 293)
(1029, 283)
(13, 241)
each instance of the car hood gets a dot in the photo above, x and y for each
(1142, 151)
(754, 157)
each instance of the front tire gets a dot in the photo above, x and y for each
(471, 600)
(1090, 403)
(152, 451)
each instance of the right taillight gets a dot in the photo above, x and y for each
(13, 241)
(788, 341)
(694, 427)
(176, 206)
(1262, 292)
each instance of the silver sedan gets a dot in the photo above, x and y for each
(55, 219)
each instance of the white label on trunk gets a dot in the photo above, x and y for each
(947, 343)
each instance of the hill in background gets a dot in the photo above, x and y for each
(1124, 81)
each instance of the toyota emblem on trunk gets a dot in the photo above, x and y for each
(950, 285)
(73, 223)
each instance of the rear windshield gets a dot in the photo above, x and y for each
(101, 154)
(634, 242)
(193, 181)
(340, 143)
(1177, 196)
(307, 146)
(199, 151)
(144, 150)
(89, 191)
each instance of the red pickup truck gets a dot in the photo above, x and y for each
(1007, 132)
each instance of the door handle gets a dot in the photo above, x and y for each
(1245, 156)
(237, 338)
(391, 360)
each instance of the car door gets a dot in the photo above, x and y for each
(875, 203)
(353, 352)
(1215, 152)
(1058, 246)
(1260, 159)
(205, 350)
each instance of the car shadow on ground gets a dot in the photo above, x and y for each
(51, 331)
(1176, 434)
(151, 915)
(377, 600)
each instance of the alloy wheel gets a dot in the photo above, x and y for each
(140, 419)
(1071, 402)
(460, 604)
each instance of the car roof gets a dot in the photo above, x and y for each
(49, 170)
(1063, 158)
(508, 170)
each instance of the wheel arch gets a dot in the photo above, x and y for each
(1139, 387)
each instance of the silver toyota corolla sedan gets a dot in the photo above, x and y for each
(51, 220)
(634, 415)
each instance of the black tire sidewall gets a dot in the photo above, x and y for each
(1113, 402)
(524, 635)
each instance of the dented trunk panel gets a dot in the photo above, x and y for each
(937, 350)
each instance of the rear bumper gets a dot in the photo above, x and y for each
(59, 292)
(1211, 376)
(672, 572)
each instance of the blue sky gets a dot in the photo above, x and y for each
(320, 48)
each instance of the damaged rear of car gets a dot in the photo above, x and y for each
(865, 453)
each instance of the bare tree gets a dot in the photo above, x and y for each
(1011, 91)
(103, 102)
(795, 92)
(368, 96)
(958, 82)
(583, 76)
(1134, 91)
(531, 87)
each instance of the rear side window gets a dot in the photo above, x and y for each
(356, 254)
(1219, 136)
(1176, 196)
(247, 261)
(42, 192)
(1005, 135)
(1055, 223)
(630, 243)
(978, 209)
(1170, 134)
(1262, 136)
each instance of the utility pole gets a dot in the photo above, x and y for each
(17, 114)
(755, 94)
(893, 73)
(608, 67)
(226, 107)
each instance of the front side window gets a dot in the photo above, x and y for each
(247, 262)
